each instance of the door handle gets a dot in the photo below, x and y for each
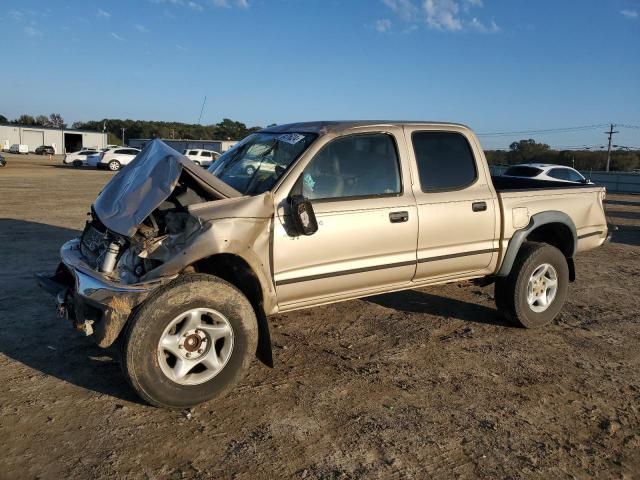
(479, 206)
(398, 217)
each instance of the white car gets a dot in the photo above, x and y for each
(19, 148)
(544, 171)
(79, 158)
(201, 157)
(115, 158)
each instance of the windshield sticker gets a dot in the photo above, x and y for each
(291, 138)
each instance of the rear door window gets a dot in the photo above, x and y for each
(353, 166)
(445, 160)
(559, 173)
(521, 171)
(205, 154)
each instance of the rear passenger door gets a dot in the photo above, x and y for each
(456, 207)
(367, 223)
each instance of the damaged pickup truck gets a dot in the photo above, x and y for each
(180, 267)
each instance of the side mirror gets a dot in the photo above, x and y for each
(302, 215)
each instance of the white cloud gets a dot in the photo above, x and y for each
(141, 28)
(103, 14)
(630, 13)
(32, 31)
(195, 6)
(382, 25)
(16, 14)
(229, 3)
(117, 37)
(479, 26)
(405, 9)
(443, 15)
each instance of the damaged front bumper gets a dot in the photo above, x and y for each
(96, 305)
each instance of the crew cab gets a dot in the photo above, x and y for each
(183, 266)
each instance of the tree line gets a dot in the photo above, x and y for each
(529, 151)
(523, 151)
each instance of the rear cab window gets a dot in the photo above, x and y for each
(444, 160)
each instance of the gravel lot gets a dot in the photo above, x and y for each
(425, 383)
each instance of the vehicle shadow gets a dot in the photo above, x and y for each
(621, 202)
(32, 333)
(626, 235)
(415, 301)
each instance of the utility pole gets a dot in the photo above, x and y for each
(610, 133)
(123, 129)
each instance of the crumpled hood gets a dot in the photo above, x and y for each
(132, 194)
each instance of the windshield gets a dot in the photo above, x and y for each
(254, 165)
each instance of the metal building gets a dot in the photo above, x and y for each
(220, 146)
(62, 140)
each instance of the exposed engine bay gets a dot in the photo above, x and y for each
(165, 231)
(141, 217)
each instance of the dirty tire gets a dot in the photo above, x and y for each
(77, 163)
(114, 165)
(511, 291)
(143, 332)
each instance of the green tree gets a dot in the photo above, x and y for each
(528, 151)
(25, 119)
(56, 121)
(3, 119)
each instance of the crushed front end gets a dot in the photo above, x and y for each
(139, 222)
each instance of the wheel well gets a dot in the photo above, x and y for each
(236, 270)
(556, 234)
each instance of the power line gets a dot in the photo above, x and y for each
(548, 130)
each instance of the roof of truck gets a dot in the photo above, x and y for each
(342, 125)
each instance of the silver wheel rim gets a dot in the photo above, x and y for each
(250, 170)
(195, 346)
(542, 287)
(113, 166)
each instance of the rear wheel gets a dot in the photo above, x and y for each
(114, 165)
(535, 290)
(189, 342)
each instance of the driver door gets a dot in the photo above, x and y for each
(367, 224)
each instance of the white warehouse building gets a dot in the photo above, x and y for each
(61, 139)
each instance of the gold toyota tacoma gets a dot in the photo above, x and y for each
(182, 266)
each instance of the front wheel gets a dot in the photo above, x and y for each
(535, 290)
(114, 165)
(189, 342)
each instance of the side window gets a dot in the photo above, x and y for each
(559, 173)
(205, 154)
(193, 152)
(445, 160)
(353, 166)
(574, 176)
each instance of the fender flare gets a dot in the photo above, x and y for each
(537, 220)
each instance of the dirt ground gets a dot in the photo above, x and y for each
(422, 384)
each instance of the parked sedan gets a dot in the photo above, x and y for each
(543, 171)
(79, 158)
(3, 162)
(45, 150)
(116, 158)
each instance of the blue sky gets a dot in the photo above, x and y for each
(495, 65)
